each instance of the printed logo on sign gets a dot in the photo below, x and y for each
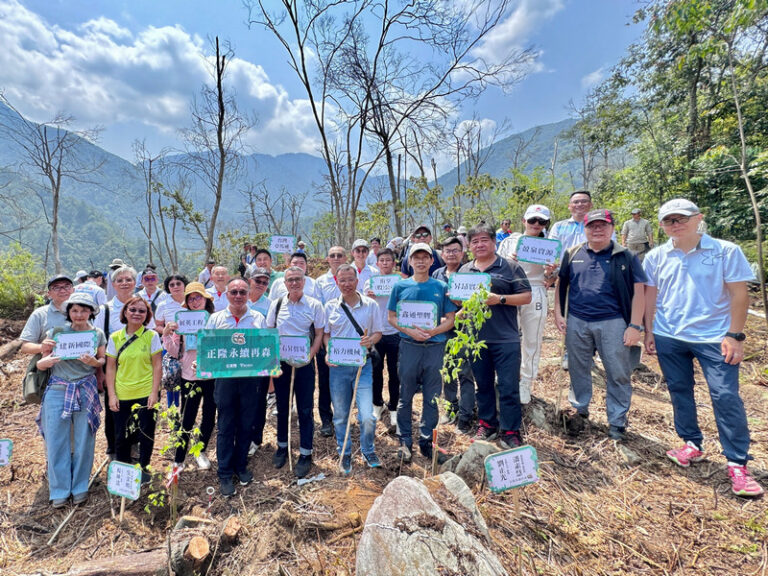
(238, 338)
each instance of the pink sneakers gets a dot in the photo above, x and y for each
(742, 484)
(685, 455)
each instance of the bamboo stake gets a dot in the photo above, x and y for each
(290, 417)
(349, 417)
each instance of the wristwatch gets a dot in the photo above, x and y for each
(636, 327)
(502, 299)
(738, 336)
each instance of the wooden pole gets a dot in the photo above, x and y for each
(349, 417)
(563, 350)
(122, 509)
(290, 417)
(434, 452)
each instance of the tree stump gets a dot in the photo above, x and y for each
(190, 550)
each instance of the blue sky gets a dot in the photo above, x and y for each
(132, 67)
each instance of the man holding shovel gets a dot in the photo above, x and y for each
(352, 316)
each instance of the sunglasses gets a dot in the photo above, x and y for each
(335, 256)
(293, 280)
(538, 221)
(678, 220)
(146, 278)
(137, 310)
(174, 284)
(261, 282)
(238, 292)
(422, 235)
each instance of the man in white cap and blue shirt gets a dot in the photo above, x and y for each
(696, 307)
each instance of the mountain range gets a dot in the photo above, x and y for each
(100, 213)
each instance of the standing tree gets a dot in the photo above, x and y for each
(53, 153)
(214, 143)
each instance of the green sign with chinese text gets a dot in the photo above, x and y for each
(238, 353)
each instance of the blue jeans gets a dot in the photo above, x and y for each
(676, 361)
(607, 336)
(69, 465)
(236, 400)
(342, 381)
(498, 371)
(304, 392)
(419, 365)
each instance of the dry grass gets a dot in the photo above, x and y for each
(598, 509)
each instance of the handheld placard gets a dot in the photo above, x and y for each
(72, 345)
(417, 314)
(537, 250)
(346, 352)
(281, 244)
(190, 321)
(462, 285)
(236, 353)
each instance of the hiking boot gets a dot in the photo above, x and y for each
(575, 421)
(404, 453)
(245, 477)
(465, 427)
(146, 478)
(59, 502)
(485, 432)
(202, 461)
(346, 464)
(372, 460)
(280, 457)
(427, 452)
(618, 433)
(227, 487)
(564, 363)
(326, 429)
(303, 465)
(378, 411)
(686, 455)
(742, 484)
(81, 498)
(510, 439)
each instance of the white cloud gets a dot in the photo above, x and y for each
(593, 78)
(104, 74)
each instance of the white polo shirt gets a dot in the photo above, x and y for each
(693, 303)
(220, 300)
(310, 289)
(94, 291)
(167, 308)
(295, 318)
(328, 287)
(382, 302)
(364, 274)
(366, 312)
(224, 320)
(115, 306)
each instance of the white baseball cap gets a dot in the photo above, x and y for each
(537, 211)
(678, 206)
(421, 247)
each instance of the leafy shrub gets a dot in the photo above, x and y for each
(22, 279)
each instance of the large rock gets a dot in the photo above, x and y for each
(429, 528)
(471, 467)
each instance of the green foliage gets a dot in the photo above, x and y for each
(465, 344)
(323, 233)
(374, 221)
(22, 278)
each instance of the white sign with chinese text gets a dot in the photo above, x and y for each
(72, 345)
(124, 480)
(282, 244)
(190, 321)
(346, 352)
(382, 285)
(537, 250)
(512, 468)
(462, 285)
(294, 350)
(416, 314)
(6, 451)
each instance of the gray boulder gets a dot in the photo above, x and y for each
(471, 467)
(428, 528)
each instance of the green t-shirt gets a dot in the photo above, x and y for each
(134, 371)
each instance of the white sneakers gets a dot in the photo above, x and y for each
(378, 411)
(202, 461)
(252, 450)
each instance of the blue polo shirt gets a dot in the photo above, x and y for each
(430, 291)
(506, 278)
(693, 302)
(591, 296)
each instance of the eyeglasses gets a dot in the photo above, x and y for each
(137, 310)
(422, 235)
(238, 292)
(175, 284)
(60, 287)
(195, 297)
(123, 280)
(359, 249)
(294, 280)
(538, 221)
(678, 220)
(451, 251)
(261, 282)
(335, 255)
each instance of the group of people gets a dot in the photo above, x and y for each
(687, 299)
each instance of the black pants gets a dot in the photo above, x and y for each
(134, 426)
(262, 388)
(193, 393)
(323, 388)
(109, 423)
(388, 346)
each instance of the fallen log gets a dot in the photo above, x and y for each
(9, 349)
(148, 563)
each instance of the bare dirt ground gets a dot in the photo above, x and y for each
(598, 509)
